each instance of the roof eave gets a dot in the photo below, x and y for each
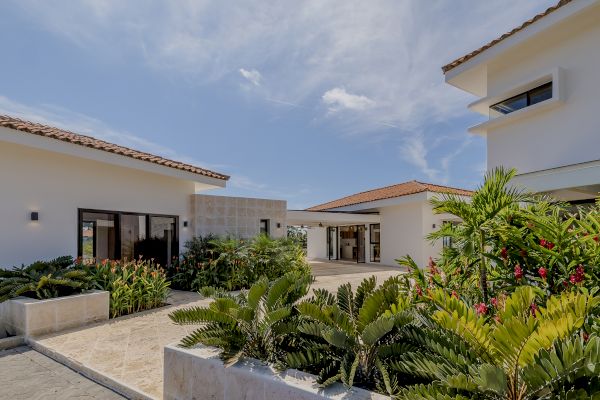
(471, 75)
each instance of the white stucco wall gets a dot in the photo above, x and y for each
(56, 185)
(316, 242)
(563, 135)
(401, 232)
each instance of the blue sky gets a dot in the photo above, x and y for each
(300, 100)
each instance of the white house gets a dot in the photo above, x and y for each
(376, 226)
(537, 87)
(70, 194)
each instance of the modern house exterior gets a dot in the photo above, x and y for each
(537, 87)
(376, 226)
(69, 194)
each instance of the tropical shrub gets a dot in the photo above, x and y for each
(253, 324)
(507, 238)
(44, 280)
(133, 285)
(519, 350)
(234, 264)
(354, 337)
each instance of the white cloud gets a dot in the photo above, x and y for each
(414, 152)
(338, 99)
(388, 52)
(252, 75)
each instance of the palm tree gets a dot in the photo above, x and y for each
(479, 216)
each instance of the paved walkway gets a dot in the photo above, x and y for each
(129, 350)
(28, 375)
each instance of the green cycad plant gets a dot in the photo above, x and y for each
(525, 352)
(44, 280)
(479, 218)
(252, 324)
(352, 336)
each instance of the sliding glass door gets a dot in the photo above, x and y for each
(118, 235)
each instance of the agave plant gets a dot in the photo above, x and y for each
(526, 352)
(252, 324)
(353, 336)
(43, 280)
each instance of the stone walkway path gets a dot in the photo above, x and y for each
(128, 351)
(28, 375)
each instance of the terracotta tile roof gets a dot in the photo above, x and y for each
(388, 192)
(494, 42)
(88, 141)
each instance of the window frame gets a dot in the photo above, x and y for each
(527, 95)
(81, 211)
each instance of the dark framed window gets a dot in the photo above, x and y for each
(264, 227)
(526, 99)
(375, 242)
(117, 235)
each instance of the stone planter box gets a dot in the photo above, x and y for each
(199, 374)
(31, 317)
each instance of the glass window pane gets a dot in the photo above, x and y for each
(163, 244)
(511, 105)
(540, 94)
(98, 236)
(133, 233)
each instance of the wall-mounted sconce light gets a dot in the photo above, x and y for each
(35, 216)
(320, 224)
(185, 224)
(433, 226)
(279, 224)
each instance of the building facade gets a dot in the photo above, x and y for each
(70, 194)
(537, 89)
(376, 226)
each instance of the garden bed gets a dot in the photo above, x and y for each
(198, 373)
(29, 317)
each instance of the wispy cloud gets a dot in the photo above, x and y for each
(414, 152)
(387, 52)
(339, 99)
(251, 75)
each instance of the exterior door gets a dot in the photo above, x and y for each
(360, 243)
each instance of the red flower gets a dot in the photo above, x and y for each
(454, 294)
(504, 253)
(418, 290)
(432, 267)
(573, 279)
(494, 301)
(543, 272)
(543, 242)
(596, 238)
(586, 337)
(518, 272)
(481, 308)
(533, 308)
(550, 245)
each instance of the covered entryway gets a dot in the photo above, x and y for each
(338, 235)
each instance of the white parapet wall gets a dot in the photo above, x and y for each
(198, 373)
(31, 317)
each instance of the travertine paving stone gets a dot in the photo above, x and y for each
(130, 349)
(26, 375)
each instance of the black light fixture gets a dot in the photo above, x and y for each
(185, 224)
(320, 224)
(279, 224)
(35, 216)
